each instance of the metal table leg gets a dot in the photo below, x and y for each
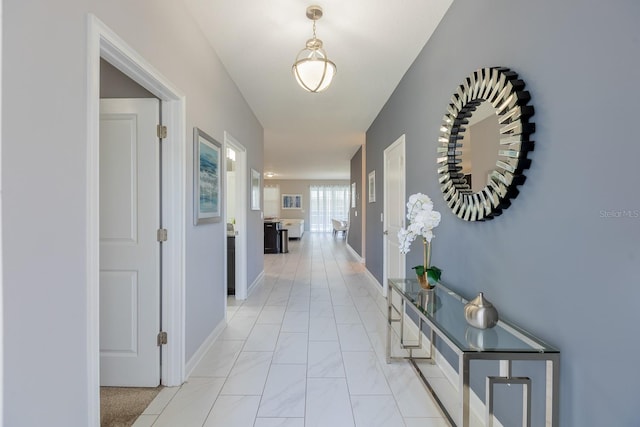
(526, 398)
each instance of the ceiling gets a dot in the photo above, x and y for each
(372, 43)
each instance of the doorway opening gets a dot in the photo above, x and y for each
(236, 196)
(104, 43)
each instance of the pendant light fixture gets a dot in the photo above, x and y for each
(312, 69)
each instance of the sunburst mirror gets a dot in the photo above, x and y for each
(483, 144)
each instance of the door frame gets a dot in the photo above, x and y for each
(242, 188)
(385, 208)
(1, 256)
(102, 42)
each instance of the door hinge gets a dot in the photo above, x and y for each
(162, 131)
(162, 235)
(162, 338)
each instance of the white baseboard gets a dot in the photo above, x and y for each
(382, 290)
(204, 348)
(206, 345)
(255, 283)
(355, 254)
(378, 286)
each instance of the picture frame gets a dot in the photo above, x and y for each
(372, 186)
(292, 201)
(207, 178)
(256, 189)
(353, 195)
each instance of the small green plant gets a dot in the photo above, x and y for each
(433, 273)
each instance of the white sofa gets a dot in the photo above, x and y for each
(295, 227)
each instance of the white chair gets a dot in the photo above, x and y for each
(340, 226)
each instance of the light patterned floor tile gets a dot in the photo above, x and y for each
(284, 393)
(306, 349)
(328, 403)
(425, 422)
(219, 360)
(325, 360)
(364, 375)
(411, 395)
(376, 411)
(353, 337)
(346, 314)
(319, 309)
(291, 348)
(322, 329)
(233, 411)
(248, 374)
(145, 421)
(271, 314)
(279, 422)
(161, 400)
(298, 304)
(191, 404)
(262, 338)
(295, 321)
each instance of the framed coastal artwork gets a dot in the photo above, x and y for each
(255, 190)
(207, 189)
(353, 194)
(292, 201)
(372, 187)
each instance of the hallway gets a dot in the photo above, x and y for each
(305, 349)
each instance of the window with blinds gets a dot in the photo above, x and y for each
(328, 202)
(271, 201)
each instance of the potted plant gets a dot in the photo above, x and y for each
(422, 220)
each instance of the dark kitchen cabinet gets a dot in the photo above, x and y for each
(271, 237)
(231, 265)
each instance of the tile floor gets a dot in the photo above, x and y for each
(306, 349)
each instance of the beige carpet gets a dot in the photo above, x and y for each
(121, 406)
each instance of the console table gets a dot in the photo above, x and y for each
(442, 310)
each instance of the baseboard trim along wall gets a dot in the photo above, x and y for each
(375, 282)
(206, 345)
(255, 283)
(355, 254)
(204, 348)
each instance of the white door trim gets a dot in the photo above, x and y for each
(103, 42)
(241, 213)
(385, 208)
(1, 257)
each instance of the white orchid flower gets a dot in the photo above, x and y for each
(422, 220)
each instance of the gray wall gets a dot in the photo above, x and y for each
(44, 176)
(355, 222)
(115, 84)
(563, 260)
(300, 186)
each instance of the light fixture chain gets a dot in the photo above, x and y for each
(314, 29)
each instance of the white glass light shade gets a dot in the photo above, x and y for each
(313, 71)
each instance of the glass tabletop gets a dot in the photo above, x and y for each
(445, 309)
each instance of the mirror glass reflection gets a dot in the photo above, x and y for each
(480, 144)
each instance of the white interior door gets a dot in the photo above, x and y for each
(394, 209)
(129, 250)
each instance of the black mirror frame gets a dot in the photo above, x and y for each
(501, 87)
